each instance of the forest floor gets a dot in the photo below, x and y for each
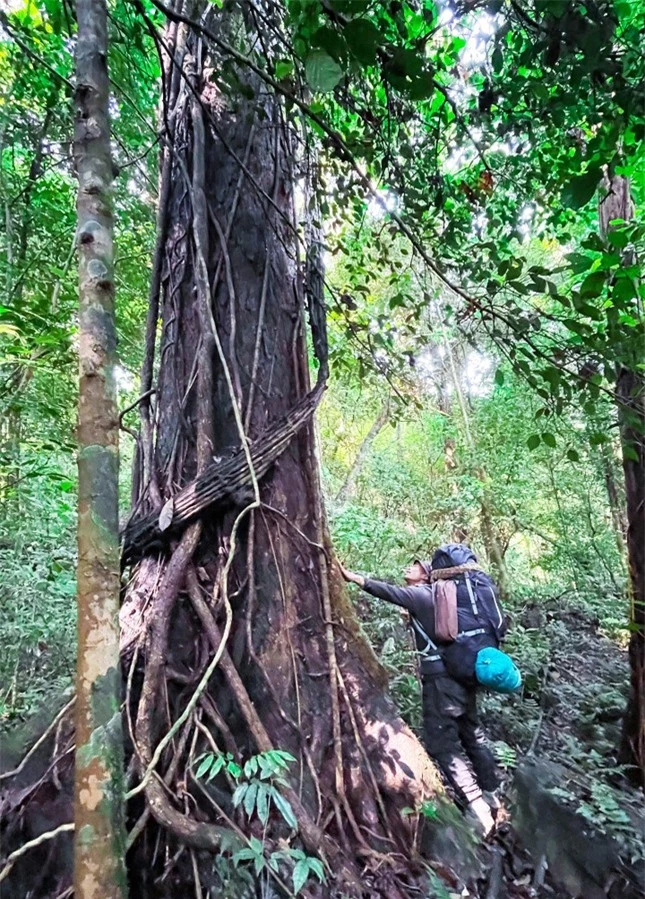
(566, 798)
(563, 786)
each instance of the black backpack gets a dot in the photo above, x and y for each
(481, 622)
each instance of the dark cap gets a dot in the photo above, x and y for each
(425, 564)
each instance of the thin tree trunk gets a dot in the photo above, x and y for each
(349, 485)
(22, 371)
(493, 547)
(98, 796)
(615, 498)
(630, 390)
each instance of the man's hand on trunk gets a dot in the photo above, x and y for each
(351, 576)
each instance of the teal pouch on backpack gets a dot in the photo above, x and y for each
(497, 671)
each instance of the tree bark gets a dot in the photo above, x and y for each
(98, 806)
(630, 392)
(295, 672)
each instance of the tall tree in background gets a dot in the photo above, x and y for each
(98, 808)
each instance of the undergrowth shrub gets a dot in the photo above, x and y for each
(37, 595)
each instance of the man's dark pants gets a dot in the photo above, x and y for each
(454, 739)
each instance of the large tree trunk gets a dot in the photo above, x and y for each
(237, 636)
(630, 392)
(250, 586)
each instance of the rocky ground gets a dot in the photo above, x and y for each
(571, 825)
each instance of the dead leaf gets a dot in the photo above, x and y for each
(165, 516)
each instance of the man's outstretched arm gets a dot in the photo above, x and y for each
(406, 597)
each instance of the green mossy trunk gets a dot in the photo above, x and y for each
(99, 869)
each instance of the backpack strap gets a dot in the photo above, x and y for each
(430, 652)
(500, 623)
(473, 602)
(471, 594)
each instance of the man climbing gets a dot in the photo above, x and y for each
(452, 734)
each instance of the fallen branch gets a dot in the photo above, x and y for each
(32, 844)
(39, 742)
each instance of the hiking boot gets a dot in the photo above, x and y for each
(479, 814)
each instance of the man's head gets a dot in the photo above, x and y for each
(417, 573)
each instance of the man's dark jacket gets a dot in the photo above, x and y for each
(452, 734)
(456, 562)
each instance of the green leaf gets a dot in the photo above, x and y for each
(499, 377)
(580, 262)
(283, 68)
(216, 767)
(243, 855)
(363, 39)
(618, 238)
(573, 456)
(233, 769)
(300, 875)
(239, 794)
(630, 453)
(251, 766)
(323, 73)
(593, 285)
(597, 438)
(329, 39)
(549, 439)
(268, 767)
(533, 442)
(429, 810)
(284, 807)
(249, 797)
(316, 866)
(581, 189)
(623, 291)
(282, 758)
(204, 766)
(262, 802)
